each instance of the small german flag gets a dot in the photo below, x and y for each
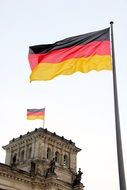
(35, 114)
(81, 53)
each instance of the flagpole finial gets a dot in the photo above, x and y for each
(111, 22)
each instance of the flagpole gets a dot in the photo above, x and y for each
(122, 181)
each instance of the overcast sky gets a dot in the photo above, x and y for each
(80, 106)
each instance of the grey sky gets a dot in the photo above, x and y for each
(79, 106)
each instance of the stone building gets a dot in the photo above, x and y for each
(40, 160)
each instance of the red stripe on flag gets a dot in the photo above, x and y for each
(60, 55)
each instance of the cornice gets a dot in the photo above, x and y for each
(44, 134)
(20, 175)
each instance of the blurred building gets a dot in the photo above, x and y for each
(40, 160)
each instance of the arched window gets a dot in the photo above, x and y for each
(48, 153)
(65, 160)
(14, 158)
(22, 155)
(29, 152)
(57, 157)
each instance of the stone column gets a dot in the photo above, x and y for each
(18, 153)
(53, 151)
(8, 157)
(73, 164)
(45, 149)
(33, 147)
(25, 151)
(61, 157)
(36, 148)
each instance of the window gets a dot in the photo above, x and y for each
(14, 158)
(49, 153)
(65, 160)
(57, 156)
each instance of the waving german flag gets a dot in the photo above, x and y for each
(81, 53)
(35, 114)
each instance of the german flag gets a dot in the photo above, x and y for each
(81, 53)
(35, 114)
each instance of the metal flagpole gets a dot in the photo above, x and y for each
(122, 181)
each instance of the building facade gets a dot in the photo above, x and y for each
(40, 160)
